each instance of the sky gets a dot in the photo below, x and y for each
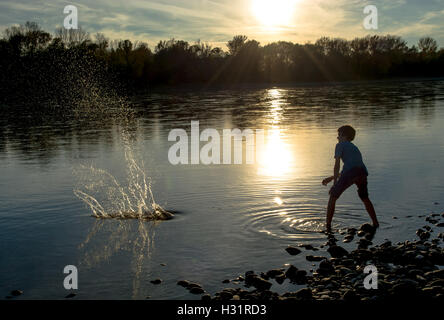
(217, 21)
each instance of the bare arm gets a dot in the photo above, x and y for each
(336, 170)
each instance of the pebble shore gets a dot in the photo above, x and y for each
(411, 269)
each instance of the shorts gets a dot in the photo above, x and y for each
(356, 176)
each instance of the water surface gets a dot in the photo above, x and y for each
(230, 218)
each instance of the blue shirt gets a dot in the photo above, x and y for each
(350, 155)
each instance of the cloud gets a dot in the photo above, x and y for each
(217, 21)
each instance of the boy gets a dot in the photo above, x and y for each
(353, 172)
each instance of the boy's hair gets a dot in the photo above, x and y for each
(348, 132)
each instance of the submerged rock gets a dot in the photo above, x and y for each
(156, 281)
(16, 293)
(337, 251)
(292, 250)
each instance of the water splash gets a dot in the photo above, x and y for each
(108, 198)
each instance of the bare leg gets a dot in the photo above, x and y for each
(330, 211)
(371, 211)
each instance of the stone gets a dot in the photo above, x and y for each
(293, 250)
(206, 297)
(196, 290)
(16, 293)
(304, 294)
(367, 228)
(71, 295)
(314, 258)
(156, 281)
(183, 283)
(274, 273)
(337, 251)
(291, 272)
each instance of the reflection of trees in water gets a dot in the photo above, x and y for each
(43, 135)
(107, 238)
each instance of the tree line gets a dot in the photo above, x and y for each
(33, 59)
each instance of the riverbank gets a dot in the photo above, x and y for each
(412, 269)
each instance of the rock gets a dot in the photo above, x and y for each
(206, 297)
(183, 283)
(291, 272)
(225, 295)
(280, 279)
(361, 233)
(441, 224)
(404, 288)
(163, 264)
(71, 295)
(308, 247)
(274, 273)
(326, 267)
(367, 228)
(422, 234)
(293, 250)
(156, 281)
(262, 284)
(315, 258)
(304, 294)
(196, 290)
(364, 243)
(337, 251)
(348, 238)
(369, 236)
(350, 295)
(194, 285)
(435, 274)
(16, 293)
(226, 281)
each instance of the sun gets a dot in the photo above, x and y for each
(273, 12)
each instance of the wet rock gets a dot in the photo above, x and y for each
(348, 238)
(325, 268)
(206, 297)
(275, 273)
(304, 294)
(351, 231)
(261, 284)
(226, 295)
(196, 290)
(293, 250)
(308, 247)
(369, 236)
(226, 281)
(364, 243)
(156, 281)
(71, 295)
(337, 251)
(280, 279)
(435, 274)
(16, 293)
(404, 288)
(314, 258)
(441, 224)
(183, 283)
(367, 228)
(361, 233)
(291, 272)
(422, 234)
